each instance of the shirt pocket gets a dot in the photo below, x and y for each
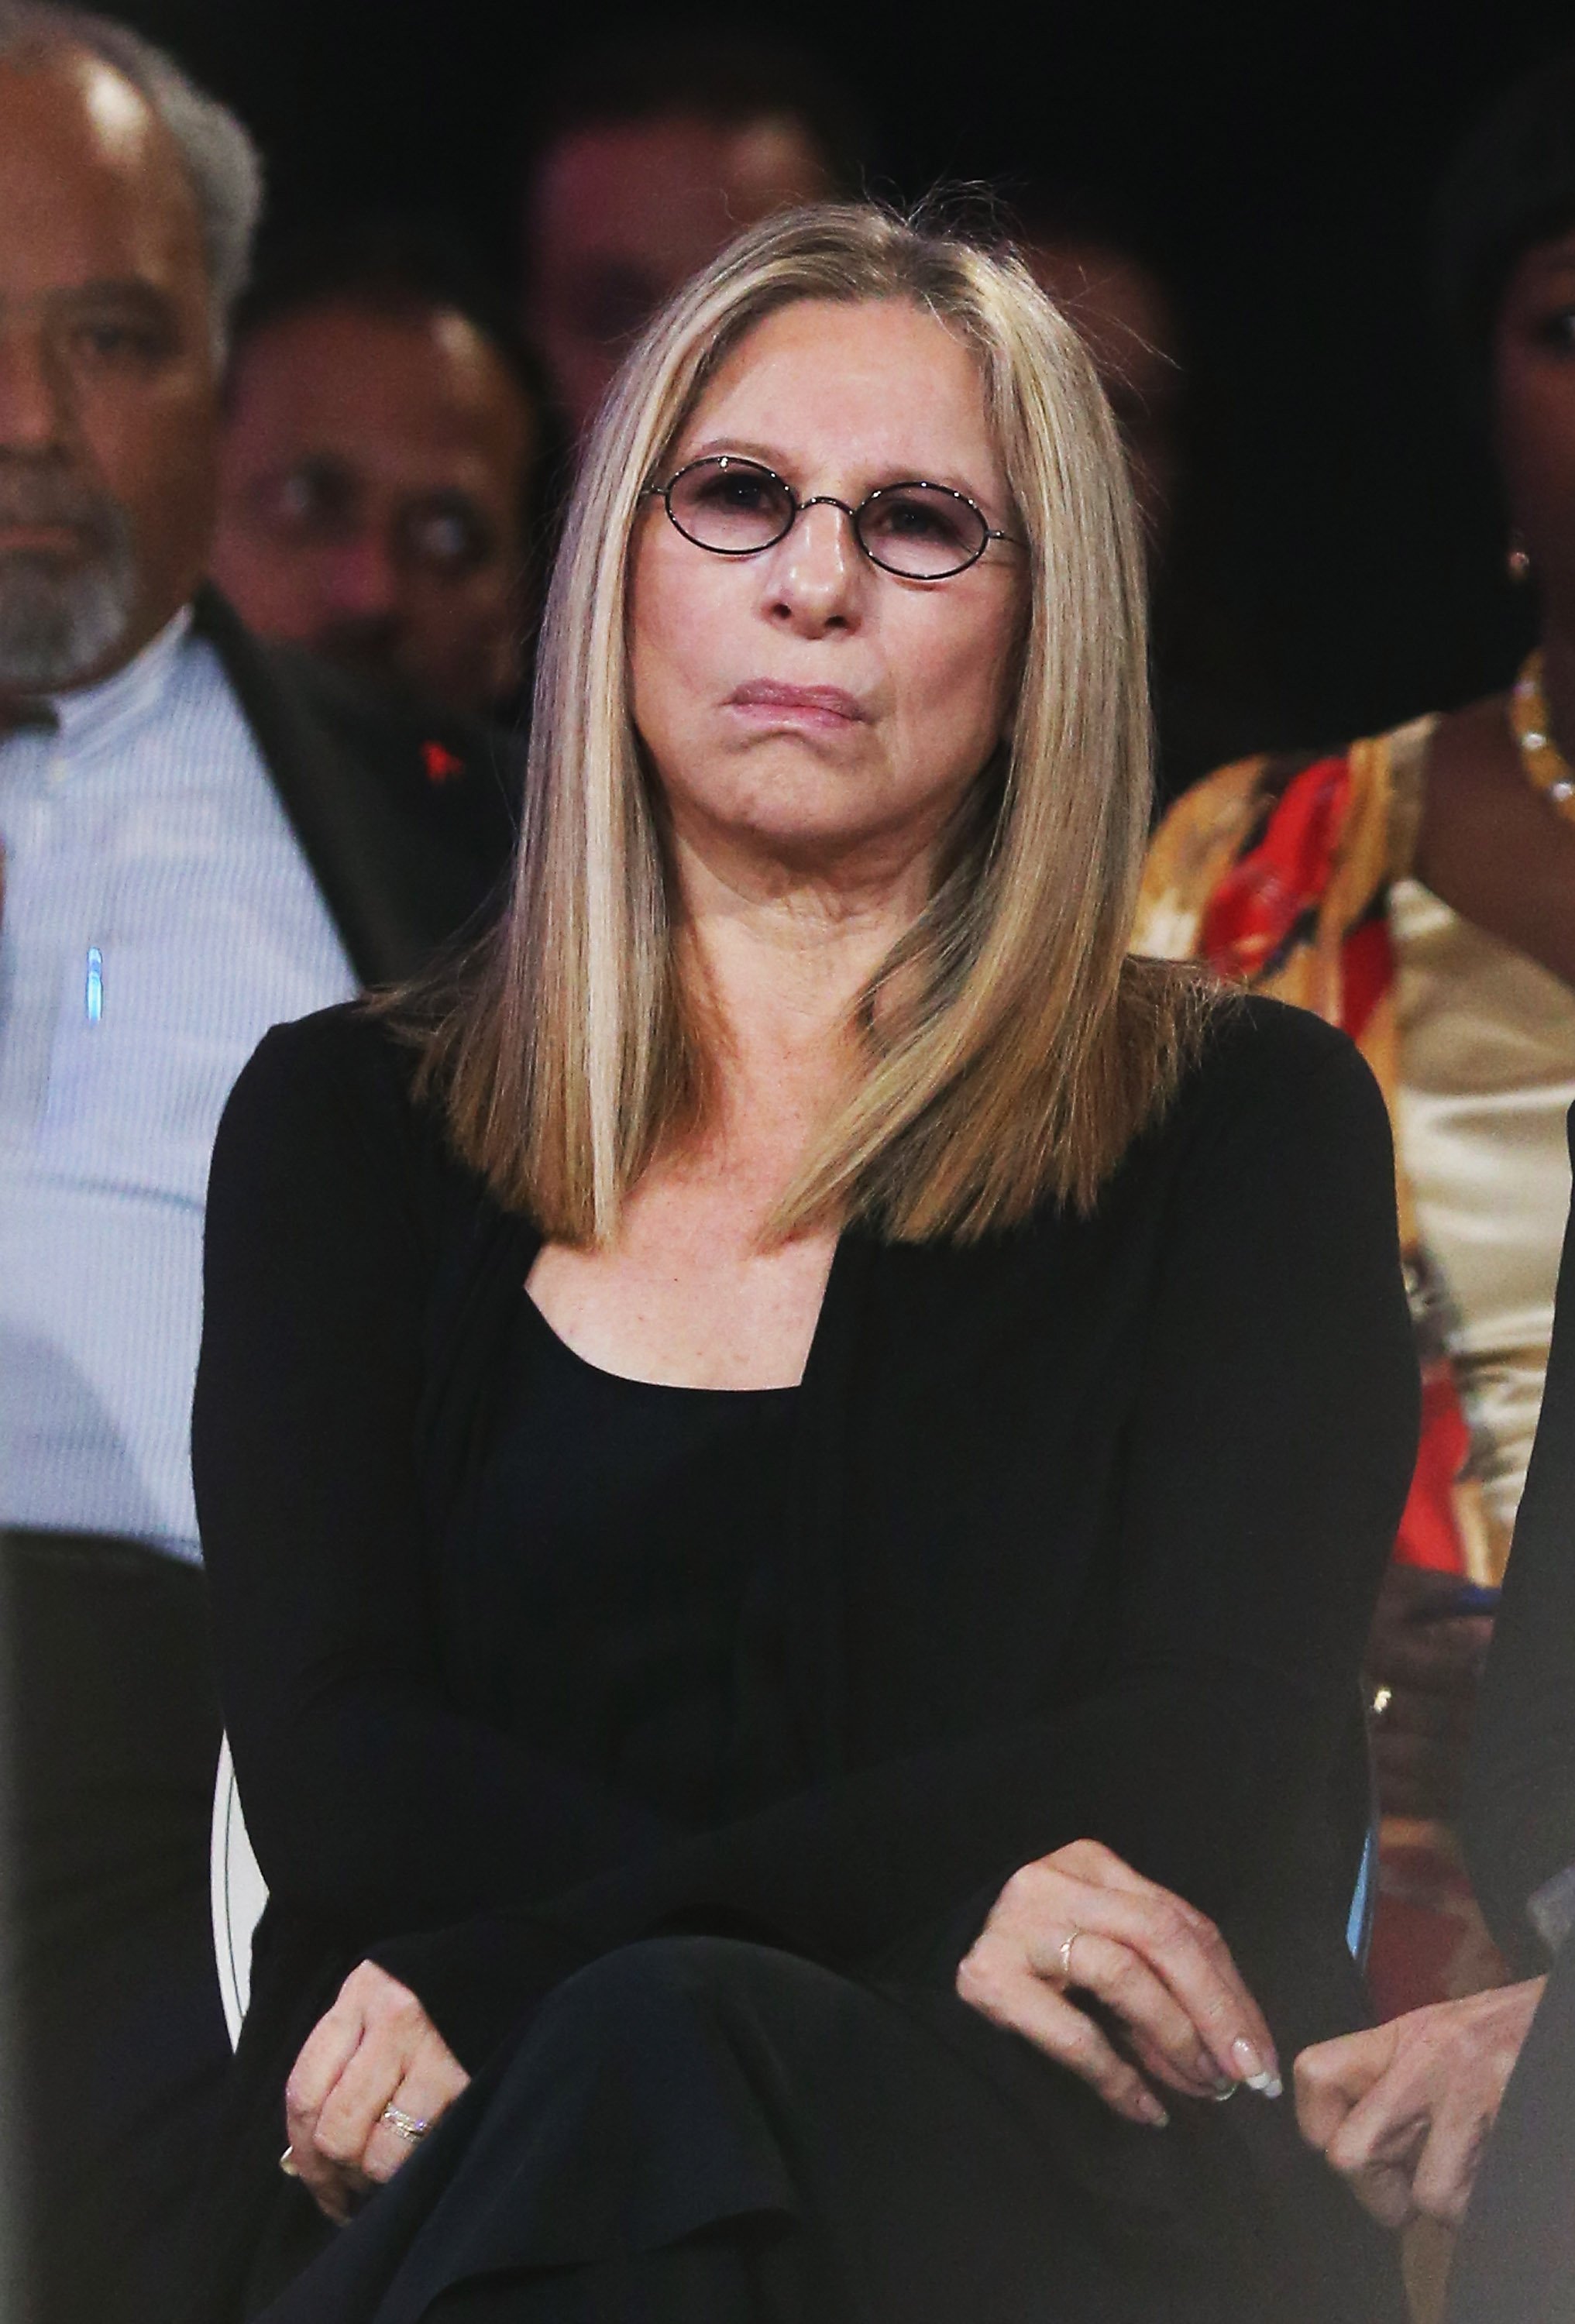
(134, 1099)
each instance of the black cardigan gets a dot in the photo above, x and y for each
(1091, 1518)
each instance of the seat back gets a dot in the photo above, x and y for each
(238, 1893)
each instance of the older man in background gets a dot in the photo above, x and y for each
(198, 840)
(385, 438)
(647, 157)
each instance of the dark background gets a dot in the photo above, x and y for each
(1282, 160)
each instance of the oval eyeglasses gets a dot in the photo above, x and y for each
(736, 507)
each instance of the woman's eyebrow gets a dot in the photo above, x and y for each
(782, 464)
(741, 448)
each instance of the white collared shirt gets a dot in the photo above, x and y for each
(158, 917)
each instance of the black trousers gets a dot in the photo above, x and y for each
(111, 1723)
(703, 2130)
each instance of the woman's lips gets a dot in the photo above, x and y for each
(811, 705)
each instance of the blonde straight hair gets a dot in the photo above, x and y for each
(1013, 1050)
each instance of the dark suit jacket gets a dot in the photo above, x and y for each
(1519, 1818)
(404, 813)
(1516, 2260)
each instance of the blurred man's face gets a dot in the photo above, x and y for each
(618, 217)
(1124, 317)
(108, 400)
(373, 473)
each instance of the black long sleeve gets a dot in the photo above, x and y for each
(1519, 1818)
(1263, 1459)
(372, 1804)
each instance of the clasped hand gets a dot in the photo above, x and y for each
(376, 2048)
(1159, 1967)
(1081, 1921)
(1403, 2111)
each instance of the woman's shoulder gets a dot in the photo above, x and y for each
(1251, 1034)
(351, 1055)
(334, 1089)
(1276, 1118)
(1277, 1072)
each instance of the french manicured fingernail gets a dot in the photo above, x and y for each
(1223, 2090)
(1150, 2110)
(288, 2164)
(1254, 2072)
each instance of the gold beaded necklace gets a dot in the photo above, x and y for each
(1545, 764)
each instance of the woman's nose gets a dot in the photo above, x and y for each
(818, 572)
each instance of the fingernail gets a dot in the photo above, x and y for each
(1254, 2072)
(1150, 2111)
(288, 2164)
(1223, 2090)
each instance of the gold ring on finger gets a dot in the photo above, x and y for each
(1063, 1954)
(409, 2126)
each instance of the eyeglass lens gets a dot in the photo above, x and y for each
(920, 532)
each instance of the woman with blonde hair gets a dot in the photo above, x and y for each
(735, 1445)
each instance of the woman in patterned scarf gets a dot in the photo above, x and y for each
(1418, 888)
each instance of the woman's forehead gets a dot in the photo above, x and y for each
(870, 382)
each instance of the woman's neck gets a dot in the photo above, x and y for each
(780, 961)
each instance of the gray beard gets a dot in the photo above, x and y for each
(57, 623)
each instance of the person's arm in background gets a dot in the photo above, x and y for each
(372, 1806)
(1404, 2112)
(1519, 1820)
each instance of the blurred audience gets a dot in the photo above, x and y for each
(381, 465)
(1098, 265)
(648, 156)
(1419, 888)
(1127, 317)
(1411, 2113)
(1409, 2110)
(199, 839)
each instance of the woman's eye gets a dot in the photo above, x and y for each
(908, 518)
(743, 494)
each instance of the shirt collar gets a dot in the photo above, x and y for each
(92, 716)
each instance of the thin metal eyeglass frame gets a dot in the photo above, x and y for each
(724, 460)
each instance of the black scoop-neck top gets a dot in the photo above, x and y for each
(616, 1529)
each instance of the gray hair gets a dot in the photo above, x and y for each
(222, 164)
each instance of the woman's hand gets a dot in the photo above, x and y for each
(1403, 2111)
(1081, 1922)
(1424, 1665)
(376, 2048)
